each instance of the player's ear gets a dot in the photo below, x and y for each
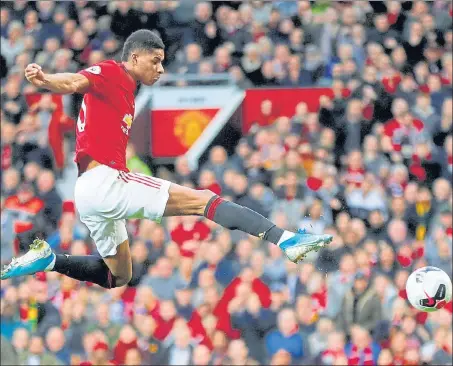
(134, 58)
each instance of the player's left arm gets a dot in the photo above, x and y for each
(67, 83)
(61, 83)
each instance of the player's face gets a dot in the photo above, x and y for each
(149, 66)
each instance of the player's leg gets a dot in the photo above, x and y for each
(112, 269)
(186, 201)
(154, 198)
(108, 272)
(101, 199)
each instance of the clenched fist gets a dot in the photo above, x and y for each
(34, 75)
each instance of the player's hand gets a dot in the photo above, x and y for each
(34, 74)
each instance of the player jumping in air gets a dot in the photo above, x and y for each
(106, 193)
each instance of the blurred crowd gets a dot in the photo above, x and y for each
(372, 167)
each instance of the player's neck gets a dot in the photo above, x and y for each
(129, 71)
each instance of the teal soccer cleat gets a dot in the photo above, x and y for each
(299, 245)
(37, 259)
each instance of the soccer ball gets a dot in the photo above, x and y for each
(428, 289)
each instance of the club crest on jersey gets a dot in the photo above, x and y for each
(127, 119)
(96, 70)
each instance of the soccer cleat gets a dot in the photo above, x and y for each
(299, 245)
(37, 259)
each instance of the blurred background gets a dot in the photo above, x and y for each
(332, 117)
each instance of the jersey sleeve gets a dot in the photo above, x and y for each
(100, 76)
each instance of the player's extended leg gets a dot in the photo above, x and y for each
(186, 201)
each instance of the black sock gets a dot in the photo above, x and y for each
(236, 217)
(88, 268)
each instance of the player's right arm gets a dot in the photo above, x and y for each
(61, 83)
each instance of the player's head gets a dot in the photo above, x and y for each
(144, 52)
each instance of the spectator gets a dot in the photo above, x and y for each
(355, 126)
(125, 19)
(99, 354)
(14, 44)
(238, 354)
(251, 63)
(361, 350)
(48, 193)
(297, 77)
(180, 351)
(382, 33)
(55, 341)
(286, 337)
(104, 323)
(162, 278)
(37, 353)
(217, 162)
(204, 31)
(339, 283)
(334, 352)
(366, 199)
(370, 313)
(318, 340)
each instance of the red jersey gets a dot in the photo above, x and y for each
(106, 115)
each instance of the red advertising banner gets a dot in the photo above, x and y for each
(263, 106)
(173, 132)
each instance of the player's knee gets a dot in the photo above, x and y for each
(203, 198)
(123, 280)
(196, 201)
(205, 195)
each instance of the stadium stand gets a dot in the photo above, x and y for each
(372, 166)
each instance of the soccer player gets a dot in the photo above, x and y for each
(106, 193)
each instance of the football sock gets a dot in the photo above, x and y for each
(236, 217)
(88, 268)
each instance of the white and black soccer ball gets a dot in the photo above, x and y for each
(428, 289)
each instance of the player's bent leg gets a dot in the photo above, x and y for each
(113, 268)
(109, 272)
(120, 264)
(186, 201)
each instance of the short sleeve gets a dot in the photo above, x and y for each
(99, 75)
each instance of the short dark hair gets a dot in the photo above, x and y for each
(142, 39)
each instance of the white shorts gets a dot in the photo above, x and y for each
(106, 197)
